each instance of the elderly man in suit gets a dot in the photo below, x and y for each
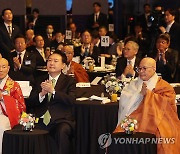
(24, 62)
(53, 97)
(11, 100)
(126, 65)
(8, 31)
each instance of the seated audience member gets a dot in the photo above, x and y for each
(103, 31)
(166, 58)
(75, 34)
(59, 40)
(127, 65)
(151, 101)
(53, 98)
(74, 68)
(24, 62)
(41, 55)
(49, 35)
(119, 49)
(84, 50)
(39, 51)
(29, 38)
(11, 100)
(112, 49)
(95, 47)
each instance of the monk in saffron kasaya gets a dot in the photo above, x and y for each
(11, 100)
(79, 72)
(151, 101)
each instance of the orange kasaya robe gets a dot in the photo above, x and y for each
(79, 72)
(157, 114)
(14, 101)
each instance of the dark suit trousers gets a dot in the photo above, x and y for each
(62, 133)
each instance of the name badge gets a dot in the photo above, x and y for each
(28, 62)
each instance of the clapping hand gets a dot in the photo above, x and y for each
(16, 63)
(161, 55)
(47, 87)
(129, 70)
(144, 89)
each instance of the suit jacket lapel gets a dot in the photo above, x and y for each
(5, 30)
(60, 81)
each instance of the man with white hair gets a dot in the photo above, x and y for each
(126, 65)
(151, 101)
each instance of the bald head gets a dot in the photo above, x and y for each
(147, 68)
(69, 52)
(149, 61)
(4, 61)
(29, 34)
(4, 68)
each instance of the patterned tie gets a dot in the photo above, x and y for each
(129, 62)
(9, 31)
(86, 52)
(96, 18)
(47, 116)
(42, 54)
(19, 57)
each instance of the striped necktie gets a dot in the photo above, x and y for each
(9, 31)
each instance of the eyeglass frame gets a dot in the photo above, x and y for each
(144, 68)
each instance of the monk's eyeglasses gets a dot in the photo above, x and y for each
(144, 68)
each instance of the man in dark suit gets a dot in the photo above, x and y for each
(166, 58)
(24, 62)
(41, 55)
(39, 50)
(97, 19)
(49, 35)
(143, 18)
(127, 65)
(8, 31)
(173, 28)
(54, 96)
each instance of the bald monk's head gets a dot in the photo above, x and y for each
(69, 53)
(4, 68)
(147, 68)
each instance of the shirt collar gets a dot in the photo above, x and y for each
(7, 25)
(22, 53)
(169, 25)
(56, 78)
(132, 61)
(97, 13)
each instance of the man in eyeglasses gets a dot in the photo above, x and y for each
(151, 101)
(126, 65)
(166, 58)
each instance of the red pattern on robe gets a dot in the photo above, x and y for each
(157, 114)
(79, 72)
(14, 101)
